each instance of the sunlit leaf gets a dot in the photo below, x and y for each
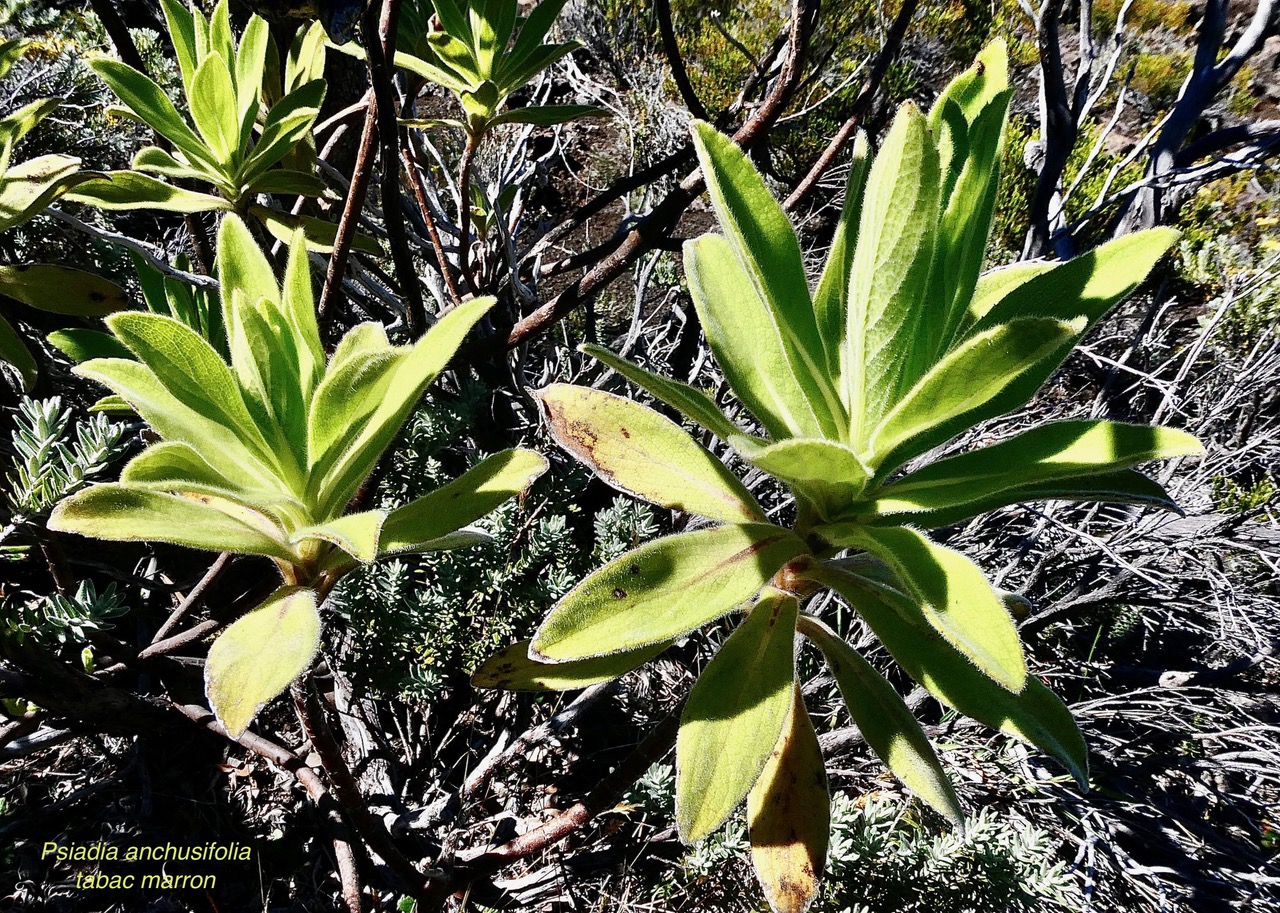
(663, 589)
(258, 656)
(734, 715)
(642, 453)
(884, 720)
(513, 670)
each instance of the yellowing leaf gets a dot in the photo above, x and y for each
(645, 454)
(663, 589)
(258, 656)
(733, 717)
(789, 815)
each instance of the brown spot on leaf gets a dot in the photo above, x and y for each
(619, 593)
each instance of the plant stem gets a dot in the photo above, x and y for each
(464, 214)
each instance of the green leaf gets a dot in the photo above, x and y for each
(1048, 461)
(26, 189)
(175, 421)
(663, 589)
(215, 109)
(258, 656)
(689, 401)
(966, 386)
(994, 285)
(62, 290)
(122, 513)
(299, 307)
(288, 122)
(829, 473)
(11, 51)
(547, 115)
(884, 720)
(356, 534)
(535, 29)
(82, 345)
(341, 472)
(764, 243)
(966, 222)
(148, 101)
(511, 73)
(174, 467)
(734, 715)
(644, 454)
(513, 670)
(243, 267)
(478, 491)
(745, 338)
(789, 815)
(18, 124)
(124, 190)
(251, 61)
(283, 181)
(1087, 286)
(154, 160)
(14, 352)
(884, 353)
(953, 596)
(182, 33)
(831, 300)
(320, 235)
(1033, 715)
(188, 367)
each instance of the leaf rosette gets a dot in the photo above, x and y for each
(261, 453)
(903, 344)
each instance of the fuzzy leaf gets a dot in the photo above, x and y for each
(789, 815)
(966, 386)
(996, 284)
(341, 472)
(258, 656)
(1034, 715)
(884, 720)
(26, 189)
(125, 514)
(356, 534)
(760, 235)
(148, 101)
(734, 715)
(644, 454)
(1049, 461)
(890, 274)
(215, 108)
(1087, 286)
(746, 340)
(953, 595)
(831, 300)
(82, 345)
(478, 491)
(513, 670)
(122, 190)
(689, 401)
(62, 290)
(663, 589)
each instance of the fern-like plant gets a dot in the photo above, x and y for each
(901, 346)
(262, 456)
